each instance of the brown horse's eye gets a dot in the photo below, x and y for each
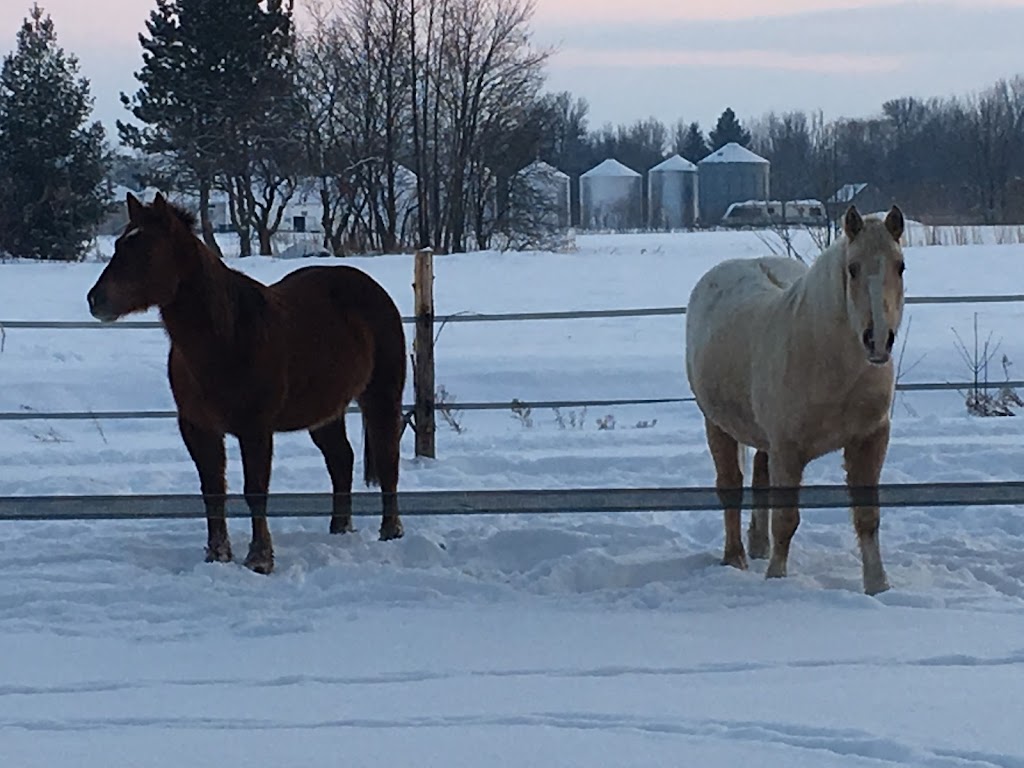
(901, 268)
(854, 270)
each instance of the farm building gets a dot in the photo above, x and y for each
(729, 175)
(867, 197)
(543, 188)
(611, 197)
(116, 214)
(672, 194)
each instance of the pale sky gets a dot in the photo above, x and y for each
(675, 58)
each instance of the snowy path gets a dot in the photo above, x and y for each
(851, 684)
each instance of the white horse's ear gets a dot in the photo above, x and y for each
(134, 208)
(894, 222)
(852, 222)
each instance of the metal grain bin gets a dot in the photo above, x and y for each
(545, 190)
(672, 194)
(611, 197)
(729, 175)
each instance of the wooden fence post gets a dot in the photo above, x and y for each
(423, 354)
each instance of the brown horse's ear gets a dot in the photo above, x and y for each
(852, 222)
(160, 207)
(894, 222)
(134, 208)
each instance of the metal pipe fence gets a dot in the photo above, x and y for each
(507, 405)
(524, 502)
(572, 501)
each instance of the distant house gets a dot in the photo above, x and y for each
(866, 196)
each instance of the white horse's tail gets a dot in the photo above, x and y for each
(743, 452)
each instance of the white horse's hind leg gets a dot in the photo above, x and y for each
(864, 459)
(729, 481)
(758, 542)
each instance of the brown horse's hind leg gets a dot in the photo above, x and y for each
(785, 472)
(382, 432)
(758, 541)
(729, 482)
(256, 455)
(864, 459)
(333, 443)
(207, 451)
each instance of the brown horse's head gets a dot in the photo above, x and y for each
(148, 261)
(873, 278)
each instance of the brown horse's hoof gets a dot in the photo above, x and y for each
(342, 525)
(736, 559)
(876, 587)
(219, 553)
(390, 529)
(260, 561)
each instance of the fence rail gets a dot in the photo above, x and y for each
(925, 386)
(518, 502)
(471, 317)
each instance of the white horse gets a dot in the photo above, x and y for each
(796, 363)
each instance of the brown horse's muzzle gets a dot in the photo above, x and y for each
(99, 305)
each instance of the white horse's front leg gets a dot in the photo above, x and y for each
(864, 459)
(785, 472)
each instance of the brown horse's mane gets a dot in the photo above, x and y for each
(236, 303)
(186, 217)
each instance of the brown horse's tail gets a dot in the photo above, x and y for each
(381, 401)
(370, 475)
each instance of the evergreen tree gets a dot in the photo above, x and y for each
(728, 129)
(692, 145)
(52, 160)
(218, 96)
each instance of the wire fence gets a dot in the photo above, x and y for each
(469, 317)
(483, 317)
(572, 501)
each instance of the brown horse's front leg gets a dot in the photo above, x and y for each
(863, 459)
(207, 451)
(256, 455)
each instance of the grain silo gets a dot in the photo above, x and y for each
(611, 197)
(732, 174)
(541, 192)
(672, 194)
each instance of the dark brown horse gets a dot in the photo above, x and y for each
(250, 360)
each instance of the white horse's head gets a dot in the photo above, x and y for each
(873, 279)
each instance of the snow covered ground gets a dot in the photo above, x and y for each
(594, 640)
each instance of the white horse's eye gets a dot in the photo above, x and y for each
(854, 270)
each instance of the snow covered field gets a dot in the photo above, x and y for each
(594, 640)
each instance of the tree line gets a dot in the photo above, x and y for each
(408, 120)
